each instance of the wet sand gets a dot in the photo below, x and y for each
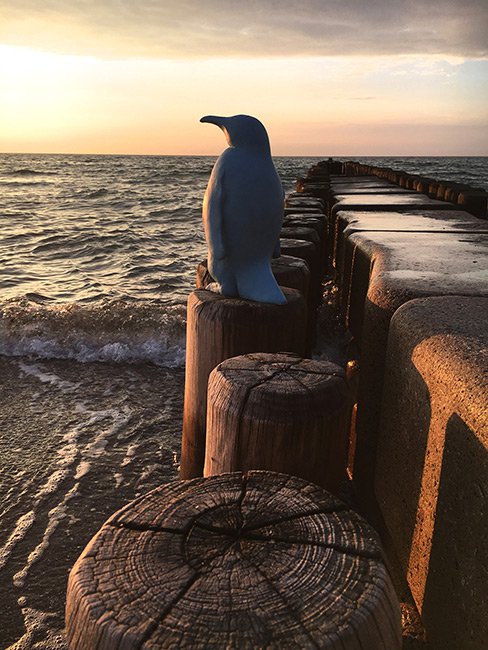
(77, 441)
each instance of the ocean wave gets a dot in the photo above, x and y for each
(97, 193)
(113, 331)
(25, 171)
(25, 183)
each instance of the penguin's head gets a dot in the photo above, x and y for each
(242, 131)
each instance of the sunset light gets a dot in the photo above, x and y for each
(110, 81)
(243, 334)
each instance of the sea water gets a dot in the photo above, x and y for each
(97, 257)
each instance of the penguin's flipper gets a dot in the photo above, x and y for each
(213, 208)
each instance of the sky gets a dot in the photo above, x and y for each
(326, 77)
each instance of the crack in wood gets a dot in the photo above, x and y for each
(364, 553)
(282, 598)
(243, 535)
(241, 498)
(146, 528)
(151, 629)
(300, 382)
(242, 407)
(297, 368)
(210, 558)
(218, 530)
(300, 515)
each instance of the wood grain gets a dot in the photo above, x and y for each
(261, 560)
(278, 412)
(308, 251)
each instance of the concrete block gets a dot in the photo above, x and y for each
(401, 267)
(403, 202)
(431, 479)
(475, 202)
(358, 183)
(434, 221)
(377, 202)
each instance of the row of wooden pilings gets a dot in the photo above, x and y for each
(253, 548)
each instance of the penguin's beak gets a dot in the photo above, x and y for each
(222, 122)
(214, 119)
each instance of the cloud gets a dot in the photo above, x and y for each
(252, 28)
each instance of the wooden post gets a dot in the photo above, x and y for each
(289, 271)
(203, 278)
(292, 272)
(262, 560)
(307, 251)
(293, 209)
(219, 328)
(296, 200)
(278, 412)
(300, 232)
(315, 221)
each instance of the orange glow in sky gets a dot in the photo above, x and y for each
(118, 91)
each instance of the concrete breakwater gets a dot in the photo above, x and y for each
(409, 256)
(409, 263)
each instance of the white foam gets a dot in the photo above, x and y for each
(21, 528)
(96, 446)
(52, 483)
(156, 351)
(149, 470)
(129, 456)
(39, 625)
(67, 456)
(111, 332)
(118, 479)
(47, 377)
(83, 468)
(55, 516)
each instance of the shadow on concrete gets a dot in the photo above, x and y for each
(431, 463)
(455, 600)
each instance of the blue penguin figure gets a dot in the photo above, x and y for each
(243, 212)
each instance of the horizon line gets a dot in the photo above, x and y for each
(211, 155)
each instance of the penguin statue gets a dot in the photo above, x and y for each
(243, 212)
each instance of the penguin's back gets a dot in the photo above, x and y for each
(252, 202)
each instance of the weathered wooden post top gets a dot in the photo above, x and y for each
(261, 560)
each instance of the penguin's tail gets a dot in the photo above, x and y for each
(258, 283)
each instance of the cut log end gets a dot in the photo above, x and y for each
(241, 561)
